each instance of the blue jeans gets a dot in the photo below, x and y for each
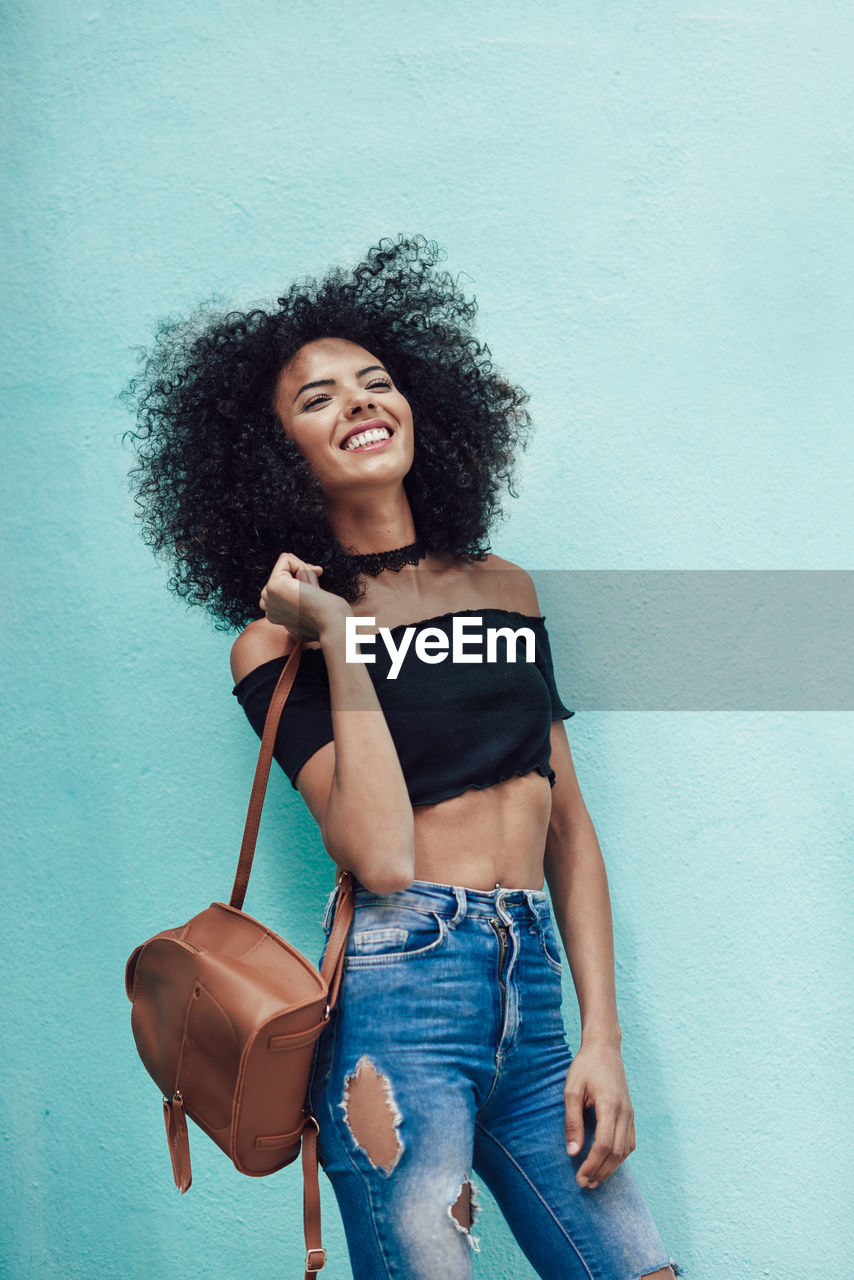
(446, 1053)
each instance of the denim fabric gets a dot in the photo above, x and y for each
(450, 1009)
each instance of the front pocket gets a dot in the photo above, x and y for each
(372, 941)
(550, 945)
(383, 935)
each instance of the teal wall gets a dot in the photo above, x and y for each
(654, 204)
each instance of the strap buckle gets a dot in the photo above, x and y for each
(310, 1260)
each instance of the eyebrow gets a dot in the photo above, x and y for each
(330, 382)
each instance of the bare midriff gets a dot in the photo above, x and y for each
(483, 838)
(480, 838)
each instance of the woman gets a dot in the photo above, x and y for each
(357, 439)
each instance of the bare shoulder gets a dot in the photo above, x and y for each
(260, 642)
(508, 583)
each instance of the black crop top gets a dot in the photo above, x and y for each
(455, 725)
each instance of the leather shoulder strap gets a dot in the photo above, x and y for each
(333, 958)
(262, 774)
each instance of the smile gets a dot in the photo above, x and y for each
(373, 436)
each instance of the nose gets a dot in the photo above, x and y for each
(359, 400)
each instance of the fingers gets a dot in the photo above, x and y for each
(574, 1107)
(288, 568)
(289, 563)
(613, 1141)
(589, 1175)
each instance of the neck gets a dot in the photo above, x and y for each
(374, 524)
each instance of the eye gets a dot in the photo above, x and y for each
(379, 382)
(315, 400)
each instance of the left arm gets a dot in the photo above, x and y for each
(575, 872)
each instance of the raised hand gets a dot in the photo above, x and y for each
(292, 597)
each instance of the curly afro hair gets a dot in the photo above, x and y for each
(222, 491)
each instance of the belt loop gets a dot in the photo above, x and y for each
(529, 898)
(328, 912)
(462, 906)
(500, 895)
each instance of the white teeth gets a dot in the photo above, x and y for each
(368, 437)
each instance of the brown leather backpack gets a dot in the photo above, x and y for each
(225, 1016)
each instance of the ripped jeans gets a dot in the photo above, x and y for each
(446, 1054)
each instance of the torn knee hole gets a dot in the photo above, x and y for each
(463, 1211)
(371, 1115)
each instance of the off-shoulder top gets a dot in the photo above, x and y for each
(455, 724)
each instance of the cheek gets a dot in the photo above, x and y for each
(403, 412)
(306, 434)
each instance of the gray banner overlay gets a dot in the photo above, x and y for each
(660, 639)
(701, 640)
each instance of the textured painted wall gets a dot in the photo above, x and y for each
(653, 202)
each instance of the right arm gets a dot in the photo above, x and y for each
(353, 786)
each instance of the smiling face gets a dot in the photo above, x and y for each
(338, 403)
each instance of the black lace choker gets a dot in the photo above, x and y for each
(375, 561)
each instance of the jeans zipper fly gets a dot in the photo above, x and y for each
(501, 930)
